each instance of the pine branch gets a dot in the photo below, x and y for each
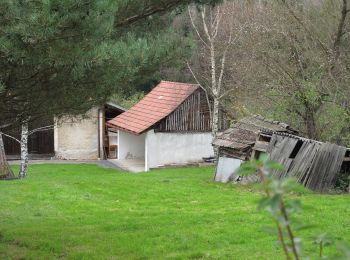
(150, 10)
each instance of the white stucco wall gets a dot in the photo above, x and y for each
(77, 139)
(226, 168)
(131, 146)
(113, 138)
(176, 148)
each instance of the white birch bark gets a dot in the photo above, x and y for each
(24, 150)
(211, 21)
(215, 124)
(214, 86)
(25, 133)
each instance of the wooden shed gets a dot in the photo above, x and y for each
(83, 137)
(316, 165)
(243, 141)
(170, 125)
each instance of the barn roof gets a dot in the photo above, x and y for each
(155, 106)
(243, 134)
(115, 106)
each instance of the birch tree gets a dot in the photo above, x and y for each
(23, 142)
(24, 150)
(216, 30)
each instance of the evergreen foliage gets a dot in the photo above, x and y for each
(60, 57)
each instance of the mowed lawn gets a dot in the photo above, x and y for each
(88, 212)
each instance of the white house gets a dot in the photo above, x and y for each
(79, 138)
(86, 137)
(170, 125)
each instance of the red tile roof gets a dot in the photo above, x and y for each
(155, 106)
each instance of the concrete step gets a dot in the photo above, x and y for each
(129, 165)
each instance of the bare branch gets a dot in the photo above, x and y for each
(41, 129)
(205, 25)
(223, 59)
(204, 89)
(196, 29)
(309, 33)
(5, 125)
(340, 31)
(10, 136)
(148, 12)
(216, 22)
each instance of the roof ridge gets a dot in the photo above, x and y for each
(268, 120)
(179, 83)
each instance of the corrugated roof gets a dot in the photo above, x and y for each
(243, 134)
(155, 106)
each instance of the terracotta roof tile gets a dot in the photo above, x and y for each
(155, 106)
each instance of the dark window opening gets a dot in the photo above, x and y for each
(258, 154)
(111, 113)
(296, 149)
(347, 154)
(264, 138)
(342, 178)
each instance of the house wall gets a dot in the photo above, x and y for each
(225, 170)
(113, 138)
(130, 146)
(77, 139)
(176, 148)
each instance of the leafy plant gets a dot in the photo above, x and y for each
(281, 209)
(323, 240)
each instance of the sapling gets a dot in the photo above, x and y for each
(274, 201)
(323, 240)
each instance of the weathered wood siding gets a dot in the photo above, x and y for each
(315, 164)
(192, 115)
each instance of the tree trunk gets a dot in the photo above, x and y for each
(214, 88)
(215, 123)
(24, 151)
(5, 170)
(310, 124)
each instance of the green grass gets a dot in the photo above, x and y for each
(87, 212)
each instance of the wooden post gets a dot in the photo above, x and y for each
(5, 170)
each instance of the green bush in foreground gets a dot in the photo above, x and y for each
(281, 209)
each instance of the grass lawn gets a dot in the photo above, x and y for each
(87, 212)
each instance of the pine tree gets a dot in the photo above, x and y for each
(5, 170)
(62, 57)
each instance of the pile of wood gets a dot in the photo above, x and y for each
(314, 164)
(239, 140)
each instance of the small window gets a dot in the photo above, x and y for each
(264, 138)
(258, 154)
(296, 149)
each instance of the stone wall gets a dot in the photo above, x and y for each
(77, 138)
